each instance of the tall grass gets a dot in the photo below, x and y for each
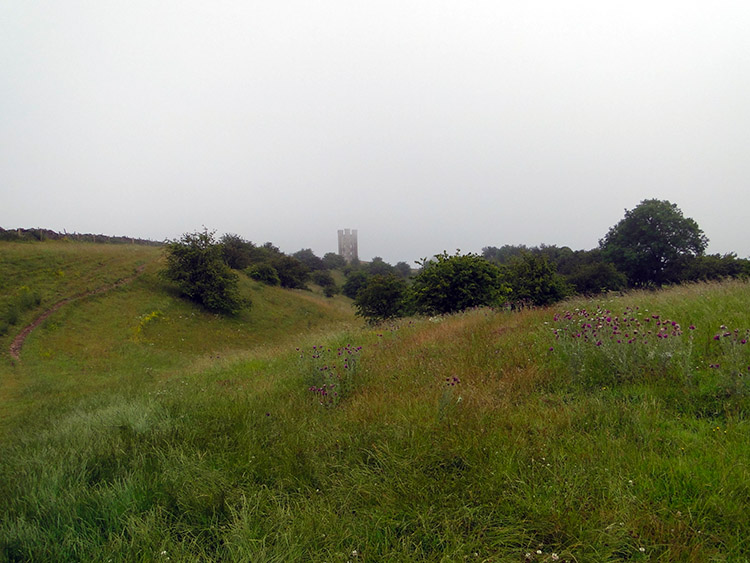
(478, 437)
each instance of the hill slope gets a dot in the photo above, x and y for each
(98, 338)
(605, 430)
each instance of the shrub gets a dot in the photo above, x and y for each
(308, 258)
(534, 280)
(292, 273)
(264, 273)
(454, 283)
(237, 252)
(355, 281)
(195, 263)
(381, 298)
(325, 280)
(333, 261)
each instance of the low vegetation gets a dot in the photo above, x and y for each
(141, 427)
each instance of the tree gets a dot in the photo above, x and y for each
(309, 259)
(454, 283)
(402, 270)
(195, 263)
(589, 273)
(716, 266)
(292, 273)
(378, 266)
(504, 254)
(264, 273)
(237, 251)
(653, 243)
(381, 298)
(333, 261)
(596, 277)
(354, 282)
(325, 280)
(534, 280)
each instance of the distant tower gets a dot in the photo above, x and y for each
(348, 244)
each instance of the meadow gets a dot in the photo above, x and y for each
(138, 427)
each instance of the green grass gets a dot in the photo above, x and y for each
(181, 434)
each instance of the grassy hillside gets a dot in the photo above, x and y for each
(149, 430)
(139, 331)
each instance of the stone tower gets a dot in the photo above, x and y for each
(348, 244)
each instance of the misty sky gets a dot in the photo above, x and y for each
(426, 125)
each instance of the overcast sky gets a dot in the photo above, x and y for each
(426, 125)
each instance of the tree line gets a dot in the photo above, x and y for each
(653, 245)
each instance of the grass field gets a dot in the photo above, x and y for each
(139, 428)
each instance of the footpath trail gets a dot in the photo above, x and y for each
(17, 344)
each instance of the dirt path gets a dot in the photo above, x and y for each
(17, 344)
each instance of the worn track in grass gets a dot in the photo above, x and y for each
(18, 341)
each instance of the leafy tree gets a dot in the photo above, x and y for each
(325, 280)
(596, 277)
(402, 270)
(534, 280)
(195, 263)
(292, 273)
(355, 281)
(333, 261)
(653, 243)
(504, 254)
(237, 252)
(454, 283)
(381, 298)
(264, 273)
(378, 266)
(589, 273)
(716, 266)
(308, 258)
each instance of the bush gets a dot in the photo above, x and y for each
(264, 273)
(454, 283)
(236, 251)
(292, 273)
(195, 263)
(381, 298)
(534, 280)
(325, 280)
(355, 281)
(333, 261)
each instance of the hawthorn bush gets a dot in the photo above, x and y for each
(195, 263)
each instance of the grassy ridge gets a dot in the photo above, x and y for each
(482, 436)
(133, 334)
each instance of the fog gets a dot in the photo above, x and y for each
(426, 126)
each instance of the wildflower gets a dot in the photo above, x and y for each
(555, 557)
(642, 549)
